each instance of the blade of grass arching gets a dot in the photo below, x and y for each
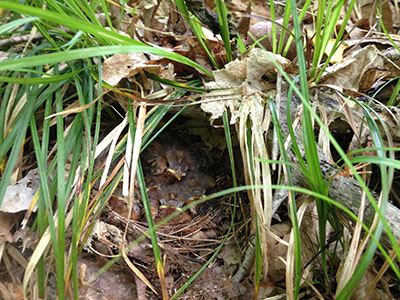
(292, 202)
(105, 36)
(72, 41)
(386, 181)
(194, 24)
(40, 80)
(353, 153)
(223, 23)
(234, 191)
(384, 161)
(58, 57)
(8, 27)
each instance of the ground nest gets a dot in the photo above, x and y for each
(179, 169)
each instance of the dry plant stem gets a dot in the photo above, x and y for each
(15, 40)
(20, 39)
(129, 183)
(382, 271)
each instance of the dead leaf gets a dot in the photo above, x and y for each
(350, 72)
(19, 196)
(240, 78)
(6, 223)
(124, 65)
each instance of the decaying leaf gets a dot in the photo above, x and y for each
(240, 78)
(350, 72)
(123, 65)
(19, 196)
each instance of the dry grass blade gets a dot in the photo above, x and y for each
(129, 184)
(114, 135)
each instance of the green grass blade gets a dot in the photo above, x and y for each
(58, 57)
(106, 36)
(8, 27)
(223, 22)
(40, 80)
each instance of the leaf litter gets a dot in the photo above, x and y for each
(189, 239)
